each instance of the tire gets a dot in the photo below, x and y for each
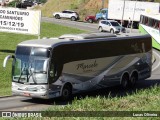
(133, 79)
(100, 29)
(125, 81)
(66, 93)
(57, 16)
(112, 31)
(90, 20)
(73, 18)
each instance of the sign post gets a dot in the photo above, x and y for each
(20, 21)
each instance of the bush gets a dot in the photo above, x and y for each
(12, 4)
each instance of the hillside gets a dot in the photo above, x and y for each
(83, 7)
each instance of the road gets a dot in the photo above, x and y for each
(18, 103)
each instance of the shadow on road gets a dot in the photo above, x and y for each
(116, 91)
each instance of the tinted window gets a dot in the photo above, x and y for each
(22, 50)
(103, 22)
(114, 24)
(64, 11)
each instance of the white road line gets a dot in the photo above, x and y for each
(158, 62)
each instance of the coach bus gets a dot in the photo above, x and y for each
(150, 24)
(60, 67)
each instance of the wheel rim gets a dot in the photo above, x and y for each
(73, 18)
(125, 81)
(133, 80)
(65, 93)
(90, 20)
(57, 16)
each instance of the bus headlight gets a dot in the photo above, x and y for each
(14, 86)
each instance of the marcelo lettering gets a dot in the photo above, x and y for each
(86, 67)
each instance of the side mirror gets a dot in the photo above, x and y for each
(6, 60)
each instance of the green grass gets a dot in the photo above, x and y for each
(140, 100)
(9, 41)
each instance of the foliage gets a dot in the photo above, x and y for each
(12, 3)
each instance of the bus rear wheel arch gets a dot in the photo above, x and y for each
(66, 91)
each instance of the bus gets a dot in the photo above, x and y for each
(150, 24)
(60, 67)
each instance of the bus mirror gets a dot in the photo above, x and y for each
(45, 65)
(6, 60)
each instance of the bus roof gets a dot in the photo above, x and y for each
(49, 42)
(72, 38)
(154, 16)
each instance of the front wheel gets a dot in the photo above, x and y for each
(66, 93)
(112, 31)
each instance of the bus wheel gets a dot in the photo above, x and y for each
(133, 79)
(125, 81)
(66, 92)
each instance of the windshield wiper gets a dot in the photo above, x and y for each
(31, 74)
(24, 69)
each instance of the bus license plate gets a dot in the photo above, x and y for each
(26, 94)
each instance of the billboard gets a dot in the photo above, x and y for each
(21, 21)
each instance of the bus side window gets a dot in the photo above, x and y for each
(146, 21)
(156, 25)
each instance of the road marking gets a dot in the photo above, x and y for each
(158, 62)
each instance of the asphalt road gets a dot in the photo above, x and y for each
(18, 103)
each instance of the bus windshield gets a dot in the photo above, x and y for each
(30, 65)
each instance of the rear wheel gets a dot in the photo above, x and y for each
(57, 16)
(66, 92)
(73, 18)
(133, 79)
(90, 21)
(100, 29)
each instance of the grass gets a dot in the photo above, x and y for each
(83, 7)
(140, 100)
(9, 41)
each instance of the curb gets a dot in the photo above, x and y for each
(5, 96)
